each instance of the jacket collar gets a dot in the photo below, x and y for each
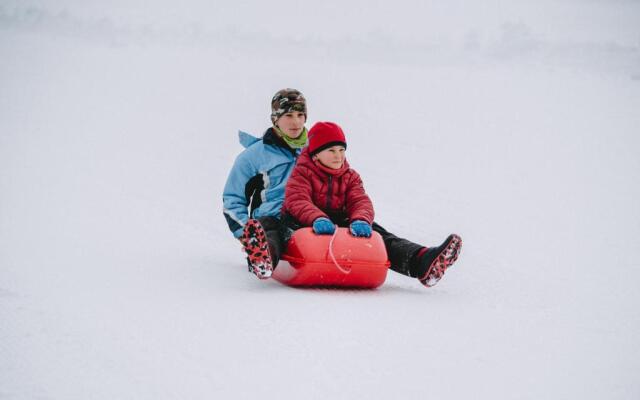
(271, 137)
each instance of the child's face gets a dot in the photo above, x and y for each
(291, 124)
(332, 157)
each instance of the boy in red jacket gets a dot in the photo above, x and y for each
(323, 191)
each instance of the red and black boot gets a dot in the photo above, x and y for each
(438, 259)
(256, 245)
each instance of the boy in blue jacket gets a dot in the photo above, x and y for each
(254, 192)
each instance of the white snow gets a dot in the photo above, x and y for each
(514, 124)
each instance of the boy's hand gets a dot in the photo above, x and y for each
(323, 226)
(360, 228)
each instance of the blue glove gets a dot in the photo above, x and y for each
(360, 228)
(323, 226)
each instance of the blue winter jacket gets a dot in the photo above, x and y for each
(256, 182)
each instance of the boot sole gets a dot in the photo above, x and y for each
(254, 240)
(443, 261)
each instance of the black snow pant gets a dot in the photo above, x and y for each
(278, 236)
(401, 252)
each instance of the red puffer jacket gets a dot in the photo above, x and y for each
(314, 191)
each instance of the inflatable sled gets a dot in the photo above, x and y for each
(333, 260)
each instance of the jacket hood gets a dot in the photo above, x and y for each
(247, 139)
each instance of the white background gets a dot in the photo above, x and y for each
(514, 124)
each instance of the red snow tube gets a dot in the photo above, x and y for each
(338, 260)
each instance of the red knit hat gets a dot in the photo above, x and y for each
(324, 135)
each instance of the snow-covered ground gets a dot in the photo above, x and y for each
(514, 124)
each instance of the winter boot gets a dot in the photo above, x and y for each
(436, 260)
(254, 240)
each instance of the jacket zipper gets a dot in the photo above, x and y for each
(329, 193)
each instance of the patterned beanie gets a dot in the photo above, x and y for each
(324, 135)
(286, 101)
